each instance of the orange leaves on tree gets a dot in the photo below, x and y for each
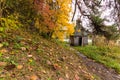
(44, 11)
(54, 17)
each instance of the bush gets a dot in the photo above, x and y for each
(9, 23)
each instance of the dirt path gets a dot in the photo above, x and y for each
(99, 69)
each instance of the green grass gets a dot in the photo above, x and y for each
(109, 56)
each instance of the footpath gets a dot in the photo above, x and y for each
(103, 72)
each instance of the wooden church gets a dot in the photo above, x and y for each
(80, 37)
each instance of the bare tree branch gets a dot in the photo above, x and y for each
(79, 7)
(74, 10)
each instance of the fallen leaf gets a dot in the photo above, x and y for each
(60, 79)
(23, 48)
(3, 64)
(19, 66)
(77, 77)
(50, 53)
(71, 63)
(51, 50)
(1, 45)
(30, 68)
(4, 50)
(34, 77)
(67, 76)
(41, 42)
(29, 39)
(44, 71)
(7, 57)
(34, 58)
(56, 66)
(48, 62)
(30, 56)
(80, 67)
(66, 67)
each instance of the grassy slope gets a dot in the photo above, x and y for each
(25, 56)
(109, 56)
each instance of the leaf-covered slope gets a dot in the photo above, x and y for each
(26, 56)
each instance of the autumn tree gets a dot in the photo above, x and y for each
(62, 19)
(53, 17)
(47, 17)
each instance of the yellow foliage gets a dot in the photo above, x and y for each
(9, 23)
(59, 14)
(63, 28)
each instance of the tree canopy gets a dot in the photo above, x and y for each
(49, 17)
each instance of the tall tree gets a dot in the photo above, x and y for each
(53, 17)
(62, 15)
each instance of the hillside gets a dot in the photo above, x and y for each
(24, 55)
